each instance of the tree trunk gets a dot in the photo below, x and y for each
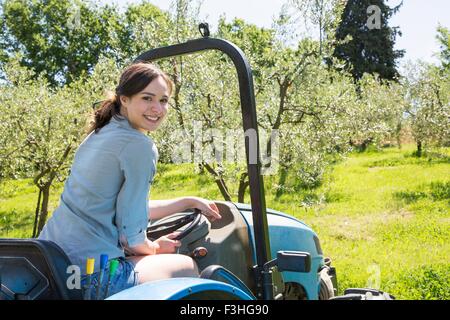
(281, 182)
(201, 168)
(243, 184)
(365, 144)
(419, 148)
(44, 208)
(44, 187)
(219, 181)
(398, 135)
(36, 215)
(320, 33)
(276, 125)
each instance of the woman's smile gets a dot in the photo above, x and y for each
(152, 119)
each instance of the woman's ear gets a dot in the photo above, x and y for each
(124, 101)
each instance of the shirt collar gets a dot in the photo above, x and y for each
(123, 122)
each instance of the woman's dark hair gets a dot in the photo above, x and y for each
(132, 81)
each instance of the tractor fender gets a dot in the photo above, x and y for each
(182, 288)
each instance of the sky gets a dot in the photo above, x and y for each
(417, 19)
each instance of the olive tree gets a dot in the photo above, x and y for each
(316, 122)
(324, 15)
(44, 126)
(428, 106)
(379, 112)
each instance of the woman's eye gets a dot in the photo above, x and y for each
(164, 101)
(148, 98)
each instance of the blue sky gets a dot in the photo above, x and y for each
(417, 19)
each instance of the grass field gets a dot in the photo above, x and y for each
(383, 217)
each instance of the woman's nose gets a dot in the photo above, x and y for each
(156, 107)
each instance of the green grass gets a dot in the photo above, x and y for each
(388, 211)
(383, 217)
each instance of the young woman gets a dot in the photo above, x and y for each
(104, 208)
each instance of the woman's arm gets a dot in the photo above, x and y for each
(164, 244)
(146, 248)
(162, 208)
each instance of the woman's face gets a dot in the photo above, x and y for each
(146, 110)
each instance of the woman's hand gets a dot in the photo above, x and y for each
(207, 207)
(166, 244)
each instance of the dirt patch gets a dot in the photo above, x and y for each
(444, 221)
(356, 228)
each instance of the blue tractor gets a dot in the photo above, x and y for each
(251, 253)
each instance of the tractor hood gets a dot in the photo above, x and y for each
(247, 207)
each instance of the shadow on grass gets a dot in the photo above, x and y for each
(410, 196)
(440, 190)
(435, 191)
(429, 158)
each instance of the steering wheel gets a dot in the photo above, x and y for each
(164, 228)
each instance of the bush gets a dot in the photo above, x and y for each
(425, 283)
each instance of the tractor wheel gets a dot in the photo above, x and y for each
(326, 286)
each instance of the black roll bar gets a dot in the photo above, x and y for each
(248, 107)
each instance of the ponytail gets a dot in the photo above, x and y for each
(109, 108)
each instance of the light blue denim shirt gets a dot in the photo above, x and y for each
(104, 205)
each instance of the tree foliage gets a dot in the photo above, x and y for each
(428, 105)
(315, 113)
(443, 37)
(324, 15)
(365, 48)
(59, 39)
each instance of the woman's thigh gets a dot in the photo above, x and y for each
(163, 266)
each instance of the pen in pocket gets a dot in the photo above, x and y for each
(103, 263)
(112, 271)
(89, 271)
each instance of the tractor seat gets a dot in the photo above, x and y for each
(32, 269)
